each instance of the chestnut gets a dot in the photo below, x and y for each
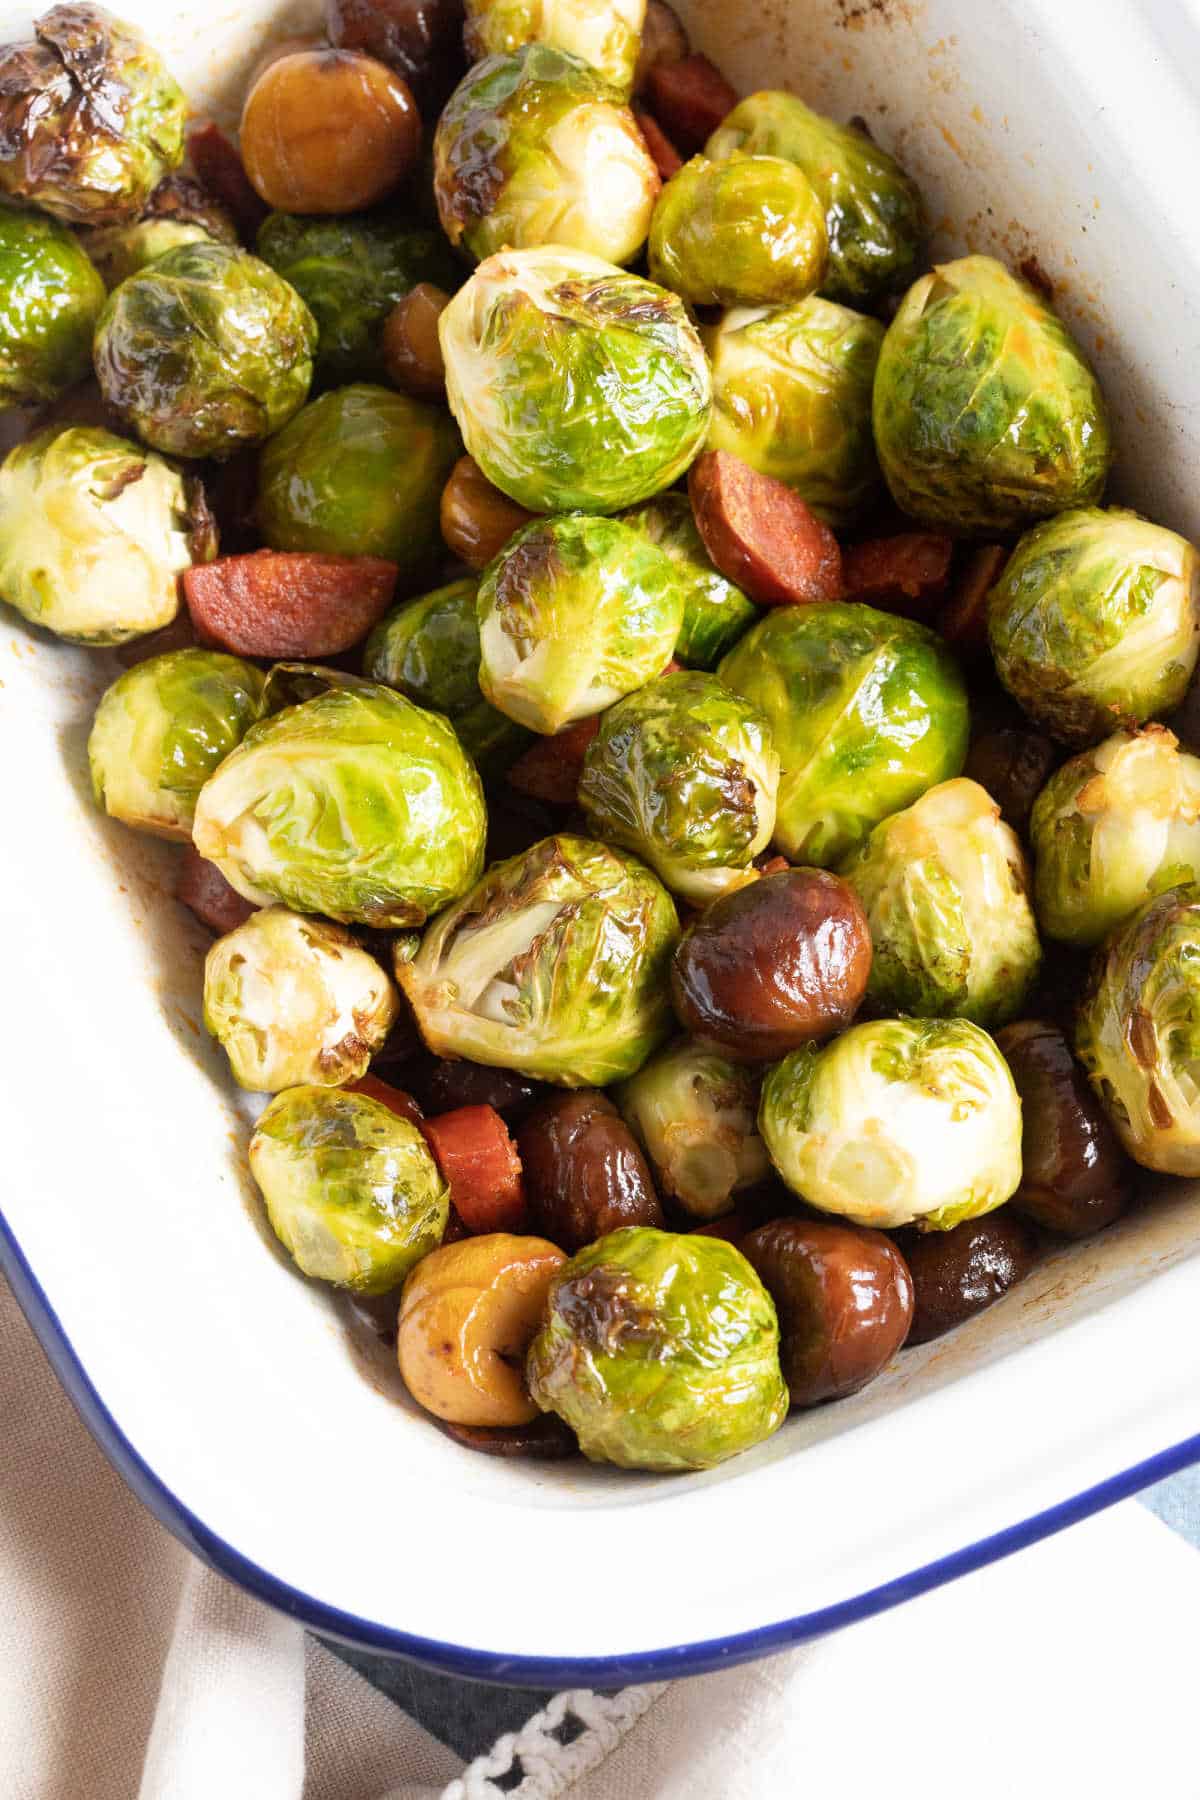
(477, 520)
(412, 354)
(1014, 766)
(584, 1173)
(961, 1272)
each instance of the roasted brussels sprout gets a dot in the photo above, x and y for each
(180, 211)
(50, 299)
(1095, 622)
(295, 1002)
(696, 1114)
(555, 965)
(356, 804)
(715, 612)
(1137, 1032)
(684, 773)
(94, 533)
(746, 232)
(792, 397)
(358, 473)
(536, 148)
(987, 415)
(352, 1190)
(160, 731)
(90, 120)
(206, 351)
(896, 1122)
(873, 212)
(574, 383)
(573, 613)
(946, 891)
(604, 33)
(350, 273)
(660, 1351)
(867, 711)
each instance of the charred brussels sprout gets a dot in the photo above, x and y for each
(695, 1113)
(555, 965)
(180, 211)
(660, 1351)
(792, 397)
(867, 711)
(987, 416)
(50, 299)
(604, 33)
(536, 148)
(746, 232)
(161, 730)
(351, 1189)
(1095, 622)
(946, 892)
(356, 804)
(684, 774)
(715, 612)
(94, 533)
(897, 1122)
(90, 120)
(206, 351)
(575, 384)
(873, 212)
(295, 1002)
(573, 613)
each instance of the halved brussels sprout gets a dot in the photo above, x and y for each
(162, 728)
(295, 1002)
(604, 33)
(180, 211)
(356, 804)
(660, 1351)
(896, 1122)
(50, 299)
(352, 1190)
(987, 414)
(1112, 828)
(945, 887)
(573, 613)
(359, 472)
(206, 351)
(867, 711)
(1095, 622)
(94, 533)
(575, 384)
(715, 612)
(873, 211)
(684, 774)
(746, 232)
(695, 1115)
(536, 148)
(792, 397)
(555, 965)
(90, 119)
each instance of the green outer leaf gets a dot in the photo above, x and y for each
(748, 231)
(715, 612)
(605, 35)
(50, 299)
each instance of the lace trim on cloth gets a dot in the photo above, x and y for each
(566, 1740)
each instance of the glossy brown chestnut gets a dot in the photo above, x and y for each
(584, 1173)
(1076, 1179)
(544, 1439)
(1014, 766)
(412, 354)
(959, 1273)
(444, 1086)
(477, 520)
(420, 39)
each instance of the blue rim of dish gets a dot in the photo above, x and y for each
(529, 1671)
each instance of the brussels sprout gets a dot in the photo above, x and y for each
(1113, 827)
(986, 413)
(555, 965)
(161, 730)
(873, 212)
(604, 33)
(359, 472)
(746, 232)
(1095, 622)
(792, 397)
(660, 1351)
(356, 804)
(180, 211)
(50, 299)
(684, 773)
(94, 532)
(573, 613)
(575, 384)
(945, 887)
(350, 272)
(896, 1122)
(696, 1115)
(429, 649)
(867, 711)
(90, 120)
(715, 612)
(206, 351)
(352, 1190)
(295, 1002)
(536, 148)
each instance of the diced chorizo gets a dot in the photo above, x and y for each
(218, 166)
(288, 603)
(201, 887)
(663, 153)
(550, 769)
(905, 574)
(963, 622)
(689, 99)
(761, 535)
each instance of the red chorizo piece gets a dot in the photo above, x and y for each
(761, 535)
(201, 887)
(550, 769)
(288, 603)
(219, 168)
(394, 1098)
(963, 622)
(663, 153)
(905, 574)
(481, 1167)
(690, 98)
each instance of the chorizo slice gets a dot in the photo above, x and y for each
(761, 535)
(689, 98)
(288, 603)
(905, 574)
(663, 153)
(964, 621)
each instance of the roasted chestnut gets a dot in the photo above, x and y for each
(1014, 766)
(584, 1173)
(412, 354)
(961, 1272)
(1076, 1179)
(477, 519)
(419, 39)
(444, 1086)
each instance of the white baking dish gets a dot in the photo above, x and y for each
(229, 1392)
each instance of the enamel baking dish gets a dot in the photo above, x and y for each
(232, 1395)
